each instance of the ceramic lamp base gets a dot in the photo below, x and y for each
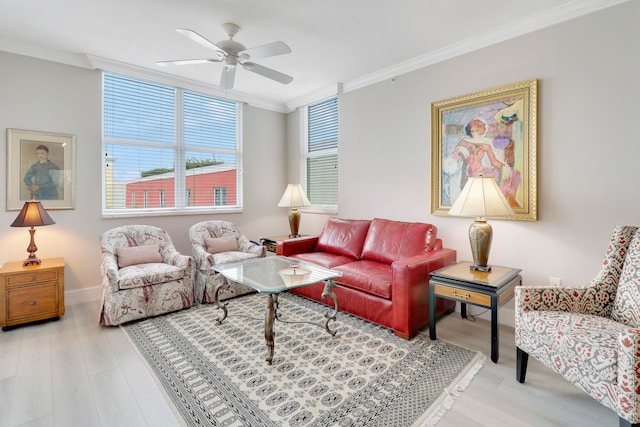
(480, 235)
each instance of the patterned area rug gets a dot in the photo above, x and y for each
(364, 376)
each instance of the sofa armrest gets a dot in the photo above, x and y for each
(299, 245)
(411, 285)
(585, 299)
(628, 368)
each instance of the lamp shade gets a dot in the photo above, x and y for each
(33, 214)
(293, 197)
(481, 197)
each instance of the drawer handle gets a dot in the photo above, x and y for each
(32, 303)
(33, 278)
(460, 295)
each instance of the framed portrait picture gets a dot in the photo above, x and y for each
(42, 165)
(489, 133)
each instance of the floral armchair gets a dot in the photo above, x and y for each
(143, 275)
(219, 242)
(590, 334)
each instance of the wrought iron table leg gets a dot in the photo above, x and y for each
(328, 292)
(269, 318)
(218, 304)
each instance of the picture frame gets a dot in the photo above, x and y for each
(46, 160)
(489, 133)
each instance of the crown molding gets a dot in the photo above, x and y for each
(531, 24)
(566, 12)
(181, 82)
(47, 54)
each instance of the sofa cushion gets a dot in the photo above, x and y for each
(343, 237)
(388, 241)
(626, 307)
(221, 244)
(143, 254)
(135, 276)
(325, 259)
(367, 276)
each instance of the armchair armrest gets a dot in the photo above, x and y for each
(172, 257)
(203, 259)
(246, 245)
(110, 275)
(298, 245)
(585, 299)
(628, 367)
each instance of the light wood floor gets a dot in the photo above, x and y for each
(71, 372)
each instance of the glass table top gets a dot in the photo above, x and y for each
(275, 274)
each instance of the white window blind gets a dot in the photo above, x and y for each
(320, 153)
(165, 148)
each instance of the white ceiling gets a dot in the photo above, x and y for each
(352, 42)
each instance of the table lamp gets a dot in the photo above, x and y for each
(481, 198)
(32, 215)
(294, 198)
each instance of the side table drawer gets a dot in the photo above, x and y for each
(32, 300)
(32, 277)
(462, 295)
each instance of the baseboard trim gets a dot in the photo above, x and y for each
(82, 295)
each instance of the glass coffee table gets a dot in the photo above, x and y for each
(272, 275)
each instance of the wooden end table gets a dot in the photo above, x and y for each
(271, 242)
(485, 289)
(31, 293)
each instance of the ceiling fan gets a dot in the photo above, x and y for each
(232, 53)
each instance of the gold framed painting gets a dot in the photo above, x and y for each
(489, 133)
(42, 165)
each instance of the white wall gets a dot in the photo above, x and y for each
(588, 144)
(587, 151)
(46, 96)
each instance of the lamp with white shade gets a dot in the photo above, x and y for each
(294, 197)
(481, 198)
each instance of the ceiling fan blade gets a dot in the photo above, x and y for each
(267, 72)
(227, 78)
(187, 61)
(266, 50)
(202, 41)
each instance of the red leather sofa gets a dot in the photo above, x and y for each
(385, 266)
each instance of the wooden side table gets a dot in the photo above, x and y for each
(271, 242)
(32, 293)
(485, 289)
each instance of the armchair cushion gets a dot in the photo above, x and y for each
(138, 255)
(221, 244)
(626, 307)
(580, 346)
(137, 275)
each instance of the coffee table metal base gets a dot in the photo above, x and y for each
(272, 314)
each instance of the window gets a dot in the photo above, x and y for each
(320, 153)
(170, 145)
(220, 196)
